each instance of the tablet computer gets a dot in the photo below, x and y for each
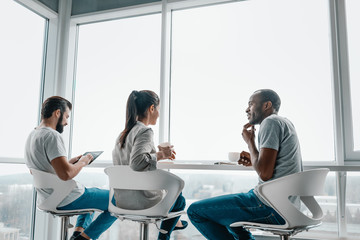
(94, 154)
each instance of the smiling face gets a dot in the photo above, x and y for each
(255, 111)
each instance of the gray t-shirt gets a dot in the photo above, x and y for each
(279, 133)
(42, 146)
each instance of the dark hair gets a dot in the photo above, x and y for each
(270, 95)
(52, 104)
(136, 107)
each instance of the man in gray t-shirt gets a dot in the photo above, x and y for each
(277, 155)
(279, 149)
(279, 134)
(45, 151)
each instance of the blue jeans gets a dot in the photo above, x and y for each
(170, 224)
(92, 198)
(213, 216)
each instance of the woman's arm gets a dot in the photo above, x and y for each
(143, 154)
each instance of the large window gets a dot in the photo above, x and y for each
(352, 207)
(114, 58)
(353, 26)
(202, 184)
(21, 48)
(15, 201)
(221, 54)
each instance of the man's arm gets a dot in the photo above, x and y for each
(264, 161)
(66, 170)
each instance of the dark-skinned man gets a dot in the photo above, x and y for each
(277, 155)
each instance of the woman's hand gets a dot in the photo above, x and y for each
(166, 153)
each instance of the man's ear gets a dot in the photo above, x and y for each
(267, 105)
(57, 113)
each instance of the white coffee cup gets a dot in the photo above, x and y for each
(165, 144)
(234, 156)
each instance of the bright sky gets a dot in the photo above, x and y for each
(352, 9)
(217, 63)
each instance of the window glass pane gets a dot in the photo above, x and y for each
(15, 201)
(328, 204)
(114, 58)
(353, 203)
(21, 48)
(353, 26)
(201, 184)
(218, 62)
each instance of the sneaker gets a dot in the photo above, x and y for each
(79, 237)
(184, 225)
(75, 234)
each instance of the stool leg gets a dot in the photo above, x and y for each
(284, 237)
(144, 231)
(64, 227)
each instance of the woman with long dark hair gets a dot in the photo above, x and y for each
(135, 147)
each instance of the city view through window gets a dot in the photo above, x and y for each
(16, 190)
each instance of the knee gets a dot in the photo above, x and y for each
(192, 209)
(182, 202)
(179, 204)
(192, 213)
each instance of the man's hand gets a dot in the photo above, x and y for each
(86, 159)
(75, 159)
(248, 134)
(245, 159)
(66, 170)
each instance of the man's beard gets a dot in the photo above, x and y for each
(256, 116)
(59, 126)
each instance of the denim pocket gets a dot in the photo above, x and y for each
(273, 219)
(269, 219)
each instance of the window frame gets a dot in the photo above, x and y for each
(56, 61)
(47, 85)
(344, 156)
(343, 141)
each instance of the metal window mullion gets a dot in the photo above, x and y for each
(74, 40)
(343, 138)
(342, 80)
(63, 69)
(336, 83)
(341, 200)
(165, 71)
